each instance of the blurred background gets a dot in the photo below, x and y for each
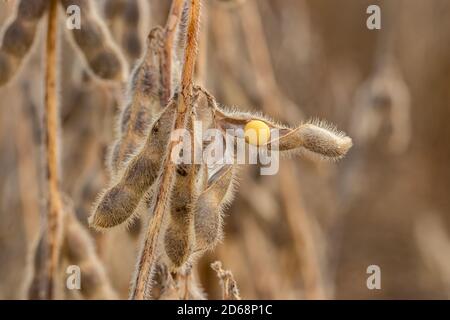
(309, 232)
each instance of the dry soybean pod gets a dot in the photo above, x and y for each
(210, 206)
(133, 14)
(143, 102)
(148, 255)
(315, 137)
(126, 19)
(179, 236)
(148, 158)
(94, 41)
(117, 203)
(18, 36)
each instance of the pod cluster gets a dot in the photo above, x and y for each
(201, 191)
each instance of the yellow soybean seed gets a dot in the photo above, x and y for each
(257, 132)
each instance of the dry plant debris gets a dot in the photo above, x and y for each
(230, 290)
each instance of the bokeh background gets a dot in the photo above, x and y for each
(312, 230)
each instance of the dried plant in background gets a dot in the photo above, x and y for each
(230, 290)
(433, 243)
(24, 25)
(274, 102)
(383, 102)
(128, 22)
(79, 249)
(382, 109)
(102, 56)
(18, 36)
(93, 40)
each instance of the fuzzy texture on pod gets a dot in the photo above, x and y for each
(210, 206)
(316, 138)
(117, 203)
(143, 102)
(179, 237)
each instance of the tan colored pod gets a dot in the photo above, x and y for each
(18, 36)
(117, 203)
(94, 41)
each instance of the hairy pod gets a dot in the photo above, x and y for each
(218, 182)
(191, 179)
(117, 203)
(316, 137)
(18, 36)
(102, 56)
(144, 91)
(179, 235)
(210, 206)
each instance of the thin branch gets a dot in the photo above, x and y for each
(148, 253)
(202, 60)
(230, 290)
(54, 205)
(172, 24)
(190, 56)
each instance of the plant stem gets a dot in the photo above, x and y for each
(53, 226)
(166, 179)
(172, 24)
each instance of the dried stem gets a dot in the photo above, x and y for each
(148, 253)
(172, 24)
(202, 60)
(273, 105)
(230, 290)
(190, 56)
(54, 205)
